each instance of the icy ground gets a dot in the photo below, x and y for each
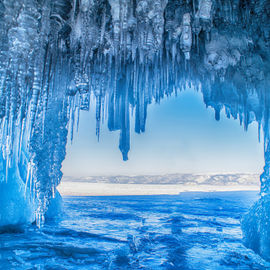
(189, 231)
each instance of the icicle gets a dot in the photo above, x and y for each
(34, 102)
(259, 132)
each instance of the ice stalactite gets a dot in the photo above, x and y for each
(58, 55)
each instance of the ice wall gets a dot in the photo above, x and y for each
(57, 55)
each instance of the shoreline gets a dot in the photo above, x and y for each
(106, 189)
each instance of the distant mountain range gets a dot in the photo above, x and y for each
(173, 179)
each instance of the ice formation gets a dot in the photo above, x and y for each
(55, 56)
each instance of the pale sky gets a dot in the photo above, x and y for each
(182, 136)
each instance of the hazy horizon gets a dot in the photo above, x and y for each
(169, 184)
(164, 174)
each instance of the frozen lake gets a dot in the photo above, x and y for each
(187, 231)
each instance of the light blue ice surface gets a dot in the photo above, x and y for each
(186, 231)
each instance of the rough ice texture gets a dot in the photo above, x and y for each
(16, 206)
(56, 55)
(256, 227)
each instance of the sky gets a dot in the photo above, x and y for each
(182, 136)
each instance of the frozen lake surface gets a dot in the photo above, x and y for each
(188, 231)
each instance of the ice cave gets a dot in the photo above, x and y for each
(57, 56)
